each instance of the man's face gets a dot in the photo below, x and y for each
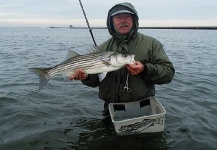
(123, 23)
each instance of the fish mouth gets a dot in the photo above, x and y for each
(132, 59)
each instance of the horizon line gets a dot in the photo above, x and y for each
(143, 27)
(163, 27)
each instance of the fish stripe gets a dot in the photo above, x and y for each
(80, 62)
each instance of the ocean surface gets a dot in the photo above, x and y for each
(68, 115)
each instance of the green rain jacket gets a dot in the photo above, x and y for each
(147, 50)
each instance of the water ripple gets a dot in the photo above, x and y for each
(68, 115)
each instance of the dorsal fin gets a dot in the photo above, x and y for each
(71, 54)
(94, 49)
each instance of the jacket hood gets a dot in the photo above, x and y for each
(121, 6)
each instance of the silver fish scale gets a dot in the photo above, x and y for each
(90, 63)
(83, 62)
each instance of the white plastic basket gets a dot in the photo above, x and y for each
(145, 116)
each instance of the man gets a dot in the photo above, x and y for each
(133, 82)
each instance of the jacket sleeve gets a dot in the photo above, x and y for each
(92, 80)
(160, 69)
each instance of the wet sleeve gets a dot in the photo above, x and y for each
(92, 80)
(160, 70)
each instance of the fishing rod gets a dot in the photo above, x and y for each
(90, 30)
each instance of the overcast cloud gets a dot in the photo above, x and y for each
(44, 13)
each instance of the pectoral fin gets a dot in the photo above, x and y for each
(102, 76)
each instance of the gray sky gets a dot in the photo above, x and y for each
(62, 13)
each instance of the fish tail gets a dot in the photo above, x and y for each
(44, 77)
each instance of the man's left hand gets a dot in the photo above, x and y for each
(135, 68)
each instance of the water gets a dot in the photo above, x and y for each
(68, 115)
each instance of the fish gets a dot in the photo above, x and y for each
(91, 63)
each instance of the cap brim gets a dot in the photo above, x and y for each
(122, 11)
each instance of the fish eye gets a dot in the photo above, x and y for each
(124, 55)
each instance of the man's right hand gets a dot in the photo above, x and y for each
(78, 75)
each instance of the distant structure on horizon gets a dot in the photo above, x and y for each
(181, 27)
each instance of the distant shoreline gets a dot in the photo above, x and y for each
(185, 27)
(181, 27)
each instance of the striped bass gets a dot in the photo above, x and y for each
(93, 63)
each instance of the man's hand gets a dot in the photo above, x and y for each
(78, 75)
(135, 68)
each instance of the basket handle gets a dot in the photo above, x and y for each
(119, 107)
(144, 103)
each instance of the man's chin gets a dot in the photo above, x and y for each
(124, 30)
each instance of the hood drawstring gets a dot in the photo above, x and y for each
(126, 87)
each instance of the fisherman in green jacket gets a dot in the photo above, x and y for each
(132, 82)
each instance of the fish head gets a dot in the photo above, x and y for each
(120, 59)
